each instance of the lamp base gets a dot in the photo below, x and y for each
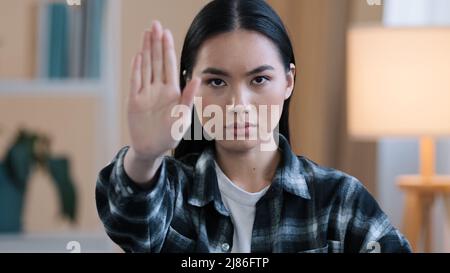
(420, 194)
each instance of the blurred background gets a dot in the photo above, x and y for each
(64, 70)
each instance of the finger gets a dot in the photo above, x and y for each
(170, 61)
(146, 56)
(191, 89)
(136, 75)
(156, 53)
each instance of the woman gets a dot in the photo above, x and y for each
(228, 191)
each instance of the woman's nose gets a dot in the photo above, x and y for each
(239, 97)
(239, 103)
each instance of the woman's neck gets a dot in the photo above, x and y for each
(251, 170)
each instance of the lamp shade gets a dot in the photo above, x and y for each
(398, 82)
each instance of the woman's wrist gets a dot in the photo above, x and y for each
(139, 168)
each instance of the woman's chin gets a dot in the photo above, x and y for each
(238, 145)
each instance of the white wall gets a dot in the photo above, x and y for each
(401, 156)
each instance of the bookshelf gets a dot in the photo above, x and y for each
(37, 87)
(104, 89)
(57, 243)
(98, 140)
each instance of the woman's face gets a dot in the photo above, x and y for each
(243, 87)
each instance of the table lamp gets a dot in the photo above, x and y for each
(398, 83)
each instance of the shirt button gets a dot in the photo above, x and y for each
(225, 247)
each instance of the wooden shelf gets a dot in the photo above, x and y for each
(38, 87)
(55, 242)
(435, 184)
(420, 194)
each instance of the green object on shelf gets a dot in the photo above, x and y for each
(27, 151)
(59, 170)
(11, 204)
(20, 159)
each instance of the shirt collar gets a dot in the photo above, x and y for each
(289, 176)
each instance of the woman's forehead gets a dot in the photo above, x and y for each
(238, 50)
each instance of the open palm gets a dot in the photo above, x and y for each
(155, 91)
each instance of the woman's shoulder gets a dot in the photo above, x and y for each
(330, 182)
(183, 166)
(187, 161)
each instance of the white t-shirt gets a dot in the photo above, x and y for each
(241, 205)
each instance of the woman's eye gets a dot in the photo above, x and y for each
(259, 80)
(216, 82)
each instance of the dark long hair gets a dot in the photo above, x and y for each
(221, 16)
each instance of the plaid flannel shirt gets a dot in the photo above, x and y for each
(308, 208)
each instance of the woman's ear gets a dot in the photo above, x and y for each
(290, 76)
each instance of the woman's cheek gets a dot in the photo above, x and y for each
(270, 107)
(209, 107)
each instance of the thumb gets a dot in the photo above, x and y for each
(191, 89)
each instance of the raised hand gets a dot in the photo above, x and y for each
(155, 91)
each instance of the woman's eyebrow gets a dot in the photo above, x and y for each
(259, 69)
(217, 71)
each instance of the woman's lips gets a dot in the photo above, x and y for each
(241, 129)
(237, 126)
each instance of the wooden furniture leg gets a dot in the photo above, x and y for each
(412, 221)
(427, 205)
(420, 193)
